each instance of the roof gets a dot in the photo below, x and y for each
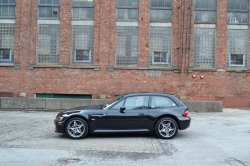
(150, 93)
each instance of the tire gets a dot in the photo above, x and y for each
(76, 128)
(166, 128)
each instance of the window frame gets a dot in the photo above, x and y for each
(151, 98)
(205, 10)
(238, 11)
(127, 7)
(89, 60)
(125, 100)
(82, 6)
(48, 5)
(153, 62)
(161, 8)
(9, 54)
(8, 5)
(230, 59)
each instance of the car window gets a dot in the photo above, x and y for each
(137, 102)
(118, 105)
(161, 102)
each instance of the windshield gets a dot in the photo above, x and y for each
(108, 104)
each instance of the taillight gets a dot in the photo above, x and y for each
(185, 114)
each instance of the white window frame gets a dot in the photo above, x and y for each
(9, 54)
(153, 62)
(82, 60)
(244, 59)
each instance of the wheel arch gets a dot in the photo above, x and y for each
(75, 116)
(169, 116)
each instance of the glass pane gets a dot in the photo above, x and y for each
(120, 14)
(55, 12)
(83, 2)
(230, 4)
(237, 18)
(42, 11)
(75, 13)
(126, 2)
(6, 54)
(79, 55)
(153, 15)
(212, 4)
(42, 1)
(157, 57)
(12, 11)
(90, 3)
(237, 5)
(12, 1)
(133, 14)
(153, 3)
(160, 3)
(5, 1)
(161, 102)
(48, 12)
(162, 15)
(56, 2)
(244, 5)
(90, 14)
(204, 16)
(138, 102)
(126, 14)
(163, 57)
(168, 3)
(48, 1)
(75, 2)
(83, 13)
(5, 11)
(118, 105)
(120, 3)
(0, 12)
(198, 3)
(134, 3)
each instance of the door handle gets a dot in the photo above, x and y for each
(142, 114)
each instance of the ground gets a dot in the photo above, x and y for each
(27, 138)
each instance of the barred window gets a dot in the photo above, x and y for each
(83, 9)
(205, 11)
(127, 46)
(160, 46)
(48, 43)
(237, 49)
(83, 44)
(237, 11)
(127, 10)
(161, 10)
(204, 48)
(7, 8)
(48, 9)
(7, 43)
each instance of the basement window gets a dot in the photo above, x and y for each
(7, 8)
(237, 60)
(48, 9)
(160, 58)
(82, 56)
(205, 11)
(83, 9)
(5, 55)
(127, 10)
(237, 11)
(161, 10)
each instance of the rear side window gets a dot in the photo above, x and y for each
(137, 102)
(162, 102)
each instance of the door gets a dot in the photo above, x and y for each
(133, 116)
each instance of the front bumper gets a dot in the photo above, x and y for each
(184, 123)
(59, 127)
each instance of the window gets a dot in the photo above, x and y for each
(161, 11)
(127, 46)
(205, 11)
(82, 56)
(7, 43)
(237, 48)
(237, 60)
(118, 105)
(83, 44)
(237, 11)
(83, 9)
(160, 46)
(160, 57)
(204, 48)
(137, 102)
(127, 10)
(48, 43)
(7, 8)
(162, 102)
(49, 9)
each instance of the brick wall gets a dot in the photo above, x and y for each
(83, 79)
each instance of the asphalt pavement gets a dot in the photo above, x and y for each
(27, 138)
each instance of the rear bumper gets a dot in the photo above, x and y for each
(58, 128)
(184, 123)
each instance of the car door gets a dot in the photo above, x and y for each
(133, 117)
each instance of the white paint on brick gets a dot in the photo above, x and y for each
(237, 26)
(82, 22)
(127, 24)
(48, 21)
(161, 24)
(212, 26)
(7, 21)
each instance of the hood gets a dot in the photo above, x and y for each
(79, 109)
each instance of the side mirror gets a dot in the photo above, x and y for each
(122, 109)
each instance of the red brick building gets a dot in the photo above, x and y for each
(113, 47)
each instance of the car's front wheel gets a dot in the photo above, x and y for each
(166, 128)
(76, 128)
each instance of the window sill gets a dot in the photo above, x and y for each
(16, 66)
(190, 70)
(111, 68)
(238, 70)
(95, 67)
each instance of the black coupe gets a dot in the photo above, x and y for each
(161, 113)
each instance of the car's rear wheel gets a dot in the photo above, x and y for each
(166, 128)
(76, 128)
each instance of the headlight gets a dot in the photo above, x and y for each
(59, 118)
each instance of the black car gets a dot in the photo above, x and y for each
(161, 113)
